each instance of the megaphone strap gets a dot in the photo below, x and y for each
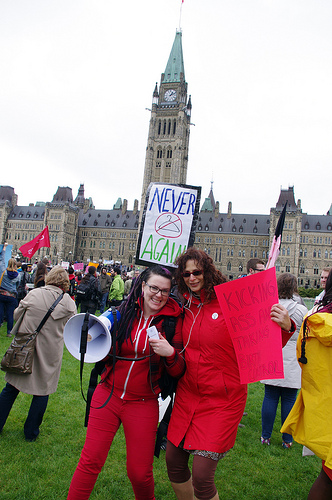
(134, 359)
(92, 388)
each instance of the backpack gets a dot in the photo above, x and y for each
(72, 287)
(21, 292)
(84, 291)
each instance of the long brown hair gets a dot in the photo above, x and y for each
(212, 276)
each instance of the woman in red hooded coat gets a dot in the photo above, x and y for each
(210, 399)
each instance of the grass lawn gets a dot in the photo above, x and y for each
(43, 470)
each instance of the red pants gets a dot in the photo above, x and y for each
(139, 420)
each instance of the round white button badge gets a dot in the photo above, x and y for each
(215, 315)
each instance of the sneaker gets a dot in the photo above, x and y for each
(286, 445)
(266, 441)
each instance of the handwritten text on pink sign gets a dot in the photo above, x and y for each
(246, 305)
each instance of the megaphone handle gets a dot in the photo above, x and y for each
(83, 343)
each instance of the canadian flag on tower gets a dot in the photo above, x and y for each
(30, 248)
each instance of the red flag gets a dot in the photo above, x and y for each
(30, 248)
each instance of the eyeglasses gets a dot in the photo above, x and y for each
(187, 274)
(155, 290)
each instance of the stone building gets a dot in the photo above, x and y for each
(80, 232)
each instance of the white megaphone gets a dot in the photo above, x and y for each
(99, 341)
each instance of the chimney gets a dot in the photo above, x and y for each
(229, 211)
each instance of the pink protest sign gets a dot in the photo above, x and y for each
(79, 266)
(246, 305)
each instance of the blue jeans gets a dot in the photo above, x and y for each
(270, 405)
(103, 301)
(9, 304)
(36, 412)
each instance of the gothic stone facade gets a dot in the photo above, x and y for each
(80, 232)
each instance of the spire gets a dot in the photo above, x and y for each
(174, 71)
(79, 200)
(155, 96)
(189, 106)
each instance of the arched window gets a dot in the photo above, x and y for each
(229, 266)
(174, 127)
(159, 127)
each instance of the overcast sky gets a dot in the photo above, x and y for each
(77, 75)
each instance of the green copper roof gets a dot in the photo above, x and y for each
(118, 204)
(175, 64)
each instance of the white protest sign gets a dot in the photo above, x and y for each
(168, 223)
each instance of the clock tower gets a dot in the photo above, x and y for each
(167, 148)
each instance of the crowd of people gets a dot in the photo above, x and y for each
(209, 399)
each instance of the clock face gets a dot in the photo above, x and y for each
(170, 95)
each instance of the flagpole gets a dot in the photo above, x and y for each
(180, 15)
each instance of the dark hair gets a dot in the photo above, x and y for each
(212, 276)
(41, 272)
(117, 270)
(70, 270)
(327, 299)
(287, 286)
(91, 270)
(129, 309)
(252, 263)
(24, 267)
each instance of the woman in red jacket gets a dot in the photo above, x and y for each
(210, 399)
(135, 384)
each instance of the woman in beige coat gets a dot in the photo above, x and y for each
(49, 349)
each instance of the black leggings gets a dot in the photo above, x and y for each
(203, 471)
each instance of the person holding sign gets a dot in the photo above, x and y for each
(134, 385)
(210, 399)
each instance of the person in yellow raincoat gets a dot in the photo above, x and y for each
(310, 420)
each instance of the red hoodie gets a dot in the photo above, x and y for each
(139, 379)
